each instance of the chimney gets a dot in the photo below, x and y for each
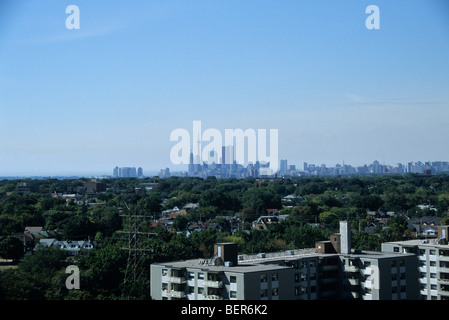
(345, 240)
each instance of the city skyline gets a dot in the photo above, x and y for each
(81, 101)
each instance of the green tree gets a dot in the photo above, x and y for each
(11, 248)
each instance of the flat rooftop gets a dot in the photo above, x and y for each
(267, 261)
(419, 242)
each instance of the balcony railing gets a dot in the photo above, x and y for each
(177, 280)
(351, 269)
(213, 284)
(176, 294)
(213, 297)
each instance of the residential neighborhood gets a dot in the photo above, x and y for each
(340, 228)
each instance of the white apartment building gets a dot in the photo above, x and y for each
(319, 273)
(433, 263)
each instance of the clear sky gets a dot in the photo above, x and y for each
(110, 93)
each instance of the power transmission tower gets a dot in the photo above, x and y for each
(134, 226)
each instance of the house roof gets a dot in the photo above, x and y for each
(33, 229)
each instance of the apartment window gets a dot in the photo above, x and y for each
(432, 263)
(312, 276)
(164, 286)
(303, 277)
(297, 293)
(313, 289)
(394, 289)
(233, 294)
(367, 263)
(263, 278)
(191, 289)
(396, 249)
(422, 252)
(432, 252)
(312, 263)
(303, 264)
(200, 290)
(190, 275)
(433, 287)
(296, 277)
(394, 276)
(401, 263)
(393, 264)
(200, 275)
(274, 277)
(264, 293)
(233, 279)
(402, 288)
(164, 272)
(402, 276)
(275, 292)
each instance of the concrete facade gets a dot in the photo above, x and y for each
(433, 265)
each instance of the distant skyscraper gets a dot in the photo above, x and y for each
(191, 162)
(125, 172)
(283, 166)
(139, 172)
(227, 155)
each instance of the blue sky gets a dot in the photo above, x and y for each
(109, 94)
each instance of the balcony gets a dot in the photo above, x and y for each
(351, 269)
(173, 294)
(368, 271)
(177, 280)
(367, 296)
(443, 281)
(443, 257)
(213, 297)
(213, 284)
(177, 294)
